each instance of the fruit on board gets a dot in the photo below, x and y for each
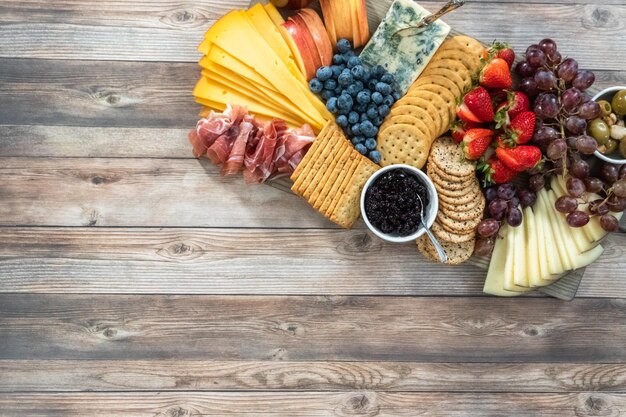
(318, 33)
(249, 61)
(299, 32)
(476, 107)
(520, 158)
(496, 74)
(291, 4)
(346, 19)
(475, 143)
(496, 172)
(521, 128)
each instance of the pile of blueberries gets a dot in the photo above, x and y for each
(359, 96)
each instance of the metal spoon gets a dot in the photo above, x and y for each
(427, 20)
(442, 253)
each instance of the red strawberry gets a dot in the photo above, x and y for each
(475, 143)
(508, 55)
(496, 172)
(463, 113)
(520, 158)
(500, 50)
(478, 102)
(516, 103)
(522, 128)
(496, 74)
(501, 142)
(459, 128)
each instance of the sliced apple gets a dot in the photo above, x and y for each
(361, 22)
(319, 34)
(291, 4)
(494, 283)
(307, 54)
(306, 34)
(329, 21)
(342, 13)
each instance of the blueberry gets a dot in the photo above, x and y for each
(372, 113)
(366, 74)
(377, 97)
(371, 84)
(364, 118)
(324, 73)
(370, 143)
(361, 148)
(316, 85)
(387, 78)
(327, 94)
(339, 59)
(343, 46)
(383, 88)
(375, 157)
(366, 127)
(348, 131)
(336, 70)
(363, 97)
(358, 139)
(342, 121)
(344, 112)
(345, 78)
(356, 129)
(345, 102)
(354, 62)
(360, 108)
(330, 85)
(352, 90)
(353, 117)
(396, 96)
(377, 121)
(383, 110)
(357, 72)
(331, 105)
(388, 100)
(378, 71)
(359, 85)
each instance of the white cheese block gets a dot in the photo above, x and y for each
(532, 248)
(550, 253)
(520, 265)
(512, 259)
(404, 56)
(494, 283)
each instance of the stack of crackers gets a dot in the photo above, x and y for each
(461, 202)
(331, 176)
(428, 108)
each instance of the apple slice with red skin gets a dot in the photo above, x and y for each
(292, 4)
(319, 34)
(356, 31)
(308, 38)
(309, 56)
(361, 14)
(342, 13)
(329, 20)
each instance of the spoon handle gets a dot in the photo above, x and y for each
(447, 8)
(442, 253)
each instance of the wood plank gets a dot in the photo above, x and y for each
(200, 375)
(121, 94)
(166, 31)
(431, 329)
(141, 192)
(244, 261)
(110, 94)
(356, 403)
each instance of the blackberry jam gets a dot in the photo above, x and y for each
(391, 202)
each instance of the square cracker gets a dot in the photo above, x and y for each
(331, 200)
(338, 146)
(330, 177)
(321, 139)
(349, 206)
(314, 168)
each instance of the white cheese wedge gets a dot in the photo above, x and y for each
(561, 246)
(550, 252)
(532, 248)
(404, 56)
(575, 235)
(494, 283)
(512, 259)
(589, 257)
(520, 264)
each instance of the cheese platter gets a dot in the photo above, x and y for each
(509, 150)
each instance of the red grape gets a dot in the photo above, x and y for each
(577, 218)
(609, 173)
(568, 69)
(583, 80)
(609, 223)
(548, 105)
(524, 69)
(566, 204)
(616, 204)
(619, 188)
(547, 45)
(488, 227)
(575, 125)
(575, 187)
(571, 98)
(536, 182)
(554, 57)
(536, 58)
(557, 149)
(586, 145)
(593, 184)
(497, 208)
(622, 172)
(579, 169)
(528, 86)
(514, 217)
(506, 191)
(484, 247)
(589, 110)
(598, 207)
(546, 80)
(490, 194)
(527, 198)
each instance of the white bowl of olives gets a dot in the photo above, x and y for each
(609, 129)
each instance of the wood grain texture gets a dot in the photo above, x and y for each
(356, 403)
(311, 328)
(245, 261)
(170, 31)
(141, 192)
(200, 375)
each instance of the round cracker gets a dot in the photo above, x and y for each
(403, 144)
(465, 43)
(440, 105)
(457, 207)
(406, 119)
(446, 236)
(469, 60)
(447, 155)
(421, 246)
(457, 252)
(440, 80)
(428, 105)
(418, 113)
(456, 67)
(454, 184)
(458, 200)
(446, 95)
(445, 191)
(477, 212)
(447, 176)
(457, 226)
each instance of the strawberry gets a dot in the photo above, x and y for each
(496, 172)
(459, 128)
(475, 143)
(496, 74)
(464, 113)
(516, 103)
(522, 128)
(478, 102)
(502, 51)
(501, 142)
(520, 158)
(508, 55)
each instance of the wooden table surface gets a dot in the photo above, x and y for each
(135, 281)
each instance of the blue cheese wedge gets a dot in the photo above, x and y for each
(404, 56)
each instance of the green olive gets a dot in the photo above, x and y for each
(619, 103)
(610, 147)
(605, 107)
(622, 148)
(600, 131)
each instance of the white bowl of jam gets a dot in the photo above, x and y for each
(390, 207)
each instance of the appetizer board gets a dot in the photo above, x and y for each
(327, 103)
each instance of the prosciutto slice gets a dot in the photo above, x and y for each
(238, 142)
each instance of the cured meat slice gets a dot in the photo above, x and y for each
(235, 161)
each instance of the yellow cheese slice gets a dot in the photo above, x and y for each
(494, 283)
(218, 56)
(274, 14)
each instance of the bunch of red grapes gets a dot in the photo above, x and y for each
(563, 108)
